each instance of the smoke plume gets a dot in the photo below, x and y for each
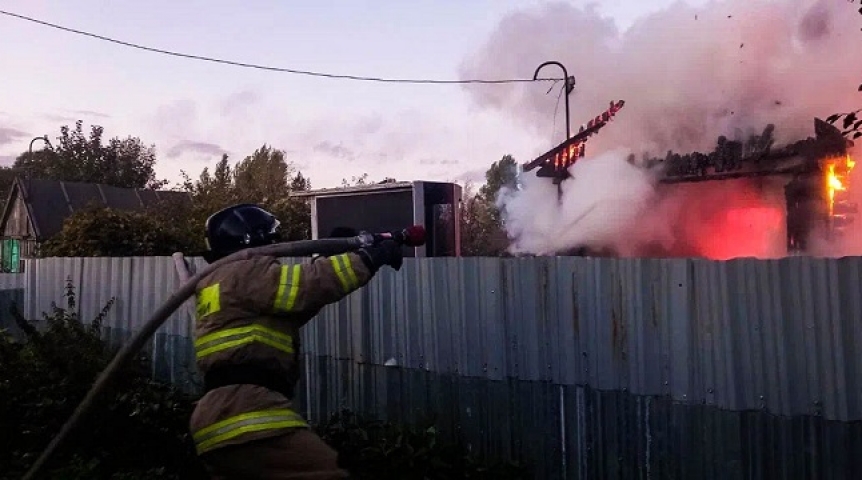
(688, 75)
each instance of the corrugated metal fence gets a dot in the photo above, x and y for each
(584, 368)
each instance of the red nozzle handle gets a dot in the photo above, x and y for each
(413, 236)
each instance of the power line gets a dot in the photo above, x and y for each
(272, 69)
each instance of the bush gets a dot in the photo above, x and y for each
(375, 449)
(106, 232)
(138, 430)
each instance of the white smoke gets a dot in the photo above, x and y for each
(591, 211)
(688, 74)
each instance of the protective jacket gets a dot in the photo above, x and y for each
(247, 342)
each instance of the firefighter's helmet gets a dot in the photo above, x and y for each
(240, 226)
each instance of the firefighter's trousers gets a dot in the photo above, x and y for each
(298, 455)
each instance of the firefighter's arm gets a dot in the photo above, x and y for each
(309, 287)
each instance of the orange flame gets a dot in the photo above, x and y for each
(837, 171)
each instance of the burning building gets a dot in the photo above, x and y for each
(689, 73)
(719, 204)
(814, 173)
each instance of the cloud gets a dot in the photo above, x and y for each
(7, 159)
(336, 150)
(59, 118)
(176, 118)
(90, 113)
(239, 102)
(10, 135)
(437, 161)
(476, 176)
(742, 64)
(436, 146)
(368, 125)
(76, 115)
(189, 146)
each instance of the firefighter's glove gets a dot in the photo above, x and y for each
(386, 252)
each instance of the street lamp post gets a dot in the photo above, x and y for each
(44, 138)
(569, 86)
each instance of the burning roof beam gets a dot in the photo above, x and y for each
(556, 162)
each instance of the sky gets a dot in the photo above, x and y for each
(193, 111)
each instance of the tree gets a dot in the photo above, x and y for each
(8, 175)
(482, 232)
(475, 222)
(501, 174)
(264, 178)
(212, 192)
(296, 211)
(124, 163)
(300, 183)
(7, 178)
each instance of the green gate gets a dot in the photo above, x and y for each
(10, 251)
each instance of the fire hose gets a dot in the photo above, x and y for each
(412, 236)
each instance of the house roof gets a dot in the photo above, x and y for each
(50, 202)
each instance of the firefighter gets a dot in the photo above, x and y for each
(248, 317)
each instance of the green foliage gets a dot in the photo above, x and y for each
(264, 175)
(500, 174)
(139, 429)
(381, 450)
(264, 178)
(7, 178)
(482, 232)
(105, 232)
(76, 158)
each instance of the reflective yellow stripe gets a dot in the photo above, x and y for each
(351, 274)
(210, 437)
(285, 299)
(336, 265)
(282, 287)
(234, 337)
(344, 270)
(209, 301)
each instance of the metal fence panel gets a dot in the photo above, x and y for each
(590, 368)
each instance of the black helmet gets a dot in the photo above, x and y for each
(239, 226)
